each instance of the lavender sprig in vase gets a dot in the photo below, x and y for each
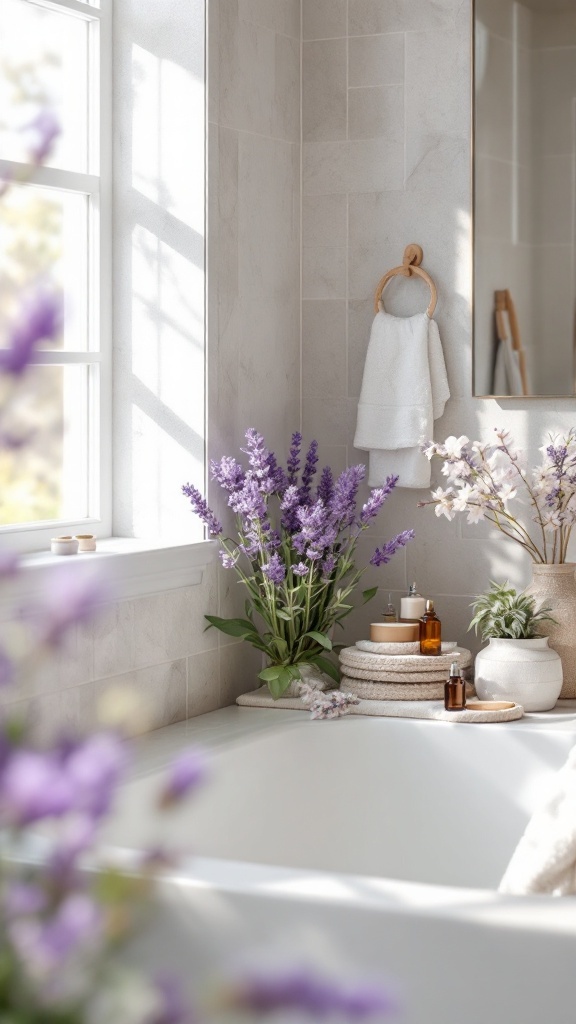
(294, 553)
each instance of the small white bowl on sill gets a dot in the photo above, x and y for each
(64, 546)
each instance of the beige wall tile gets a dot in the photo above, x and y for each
(324, 349)
(239, 668)
(113, 639)
(203, 683)
(376, 60)
(286, 109)
(323, 19)
(282, 16)
(139, 701)
(324, 220)
(324, 91)
(323, 272)
(377, 112)
(370, 17)
(325, 168)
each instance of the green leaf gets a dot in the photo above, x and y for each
(328, 667)
(268, 675)
(283, 615)
(281, 683)
(367, 595)
(233, 627)
(320, 638)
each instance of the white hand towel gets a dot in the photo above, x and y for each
(404, 389)
(545, 859)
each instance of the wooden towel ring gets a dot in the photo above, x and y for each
(413, 255)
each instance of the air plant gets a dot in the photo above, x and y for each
(504, 614)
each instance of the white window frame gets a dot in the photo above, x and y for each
(29, 537)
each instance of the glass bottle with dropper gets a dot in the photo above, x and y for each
(455, 690)
(430, 631)
(390, 611)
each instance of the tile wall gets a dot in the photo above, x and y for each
(386, 161)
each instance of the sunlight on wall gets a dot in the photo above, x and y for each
(162, 437)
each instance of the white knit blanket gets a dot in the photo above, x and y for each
(545, 859)
(404, 389)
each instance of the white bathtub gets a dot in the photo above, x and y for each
(372, 845)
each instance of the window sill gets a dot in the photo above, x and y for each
(133, 568)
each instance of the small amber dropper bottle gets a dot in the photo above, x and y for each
(455, 690)
(430, 631)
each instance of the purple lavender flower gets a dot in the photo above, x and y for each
(274, 541)
(298, 990)
(275, 570)
(277, 476)
(6, 669)
(301, 569)
(309, 471)
(94, 768)
(8, 564)
(328, 566)
(187, 772)
(24, 898)
(44, 946)
(71, 597)
(33, 787)
(229, 559)
(46, 128)
(228, 473)
(39, 320)
(256, 451)
(173, 1008)
(384, 555)
(343, 504)
(76, 837)
(377, 498)
(289, 506)
(326, 485)
(248, 502)
(294, 458)
(201, 509)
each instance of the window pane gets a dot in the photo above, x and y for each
(43, 63)
(44, 236)
(46, 478)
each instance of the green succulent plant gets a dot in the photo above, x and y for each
(504, 614)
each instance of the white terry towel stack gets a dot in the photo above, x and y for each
(545, 859)
(405, 388)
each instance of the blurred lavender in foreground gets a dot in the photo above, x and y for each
(40, 319)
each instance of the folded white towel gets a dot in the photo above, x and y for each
(545, 859)
(404, 389)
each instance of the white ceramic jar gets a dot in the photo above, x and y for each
(64, 546)
(525, 671)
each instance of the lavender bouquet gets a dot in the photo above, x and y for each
(294, 553)
(485, 478)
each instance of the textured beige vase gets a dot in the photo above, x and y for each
(555, 587)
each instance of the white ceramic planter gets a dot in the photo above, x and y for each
(525, 671)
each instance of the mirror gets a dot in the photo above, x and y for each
(524, 198)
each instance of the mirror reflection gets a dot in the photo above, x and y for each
(524, 166)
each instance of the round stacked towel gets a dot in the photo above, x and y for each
(375, 676)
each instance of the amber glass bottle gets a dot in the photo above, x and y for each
(455, 690)
(430, 631)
